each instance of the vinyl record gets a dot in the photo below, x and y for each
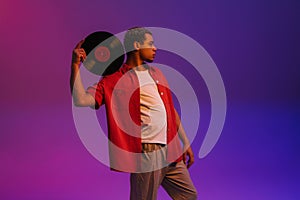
(105, 53)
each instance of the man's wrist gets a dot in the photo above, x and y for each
(186, 144)
(75, 66)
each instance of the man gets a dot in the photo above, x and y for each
(143, 126)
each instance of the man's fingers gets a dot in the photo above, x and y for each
(190, 156)
(184, 158)
(191, 161)
(80, 53)
(79, 44)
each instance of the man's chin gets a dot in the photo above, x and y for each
(149, 60)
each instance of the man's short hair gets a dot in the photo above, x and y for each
(135, 34)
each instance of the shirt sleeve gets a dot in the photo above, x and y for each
(97, 91)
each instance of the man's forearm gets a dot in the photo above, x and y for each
(181, 132)
(187, 150)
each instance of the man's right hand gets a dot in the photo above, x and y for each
(78, 54)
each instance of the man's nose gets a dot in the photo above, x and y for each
(154, 48)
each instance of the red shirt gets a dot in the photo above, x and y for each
(121, 95)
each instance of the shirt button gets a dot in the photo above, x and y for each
(157, 81)
(161, 93)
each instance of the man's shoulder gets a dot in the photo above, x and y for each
(109, 81)
(155, 69)
(111, 77)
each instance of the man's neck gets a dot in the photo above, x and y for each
(135, 64)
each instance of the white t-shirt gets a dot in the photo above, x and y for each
(153, 112)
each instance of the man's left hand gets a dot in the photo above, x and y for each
(188, 157)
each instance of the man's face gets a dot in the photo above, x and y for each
(147, 49)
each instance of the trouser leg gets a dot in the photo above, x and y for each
(178, 184)
(144, 186)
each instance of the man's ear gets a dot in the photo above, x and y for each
(136, 45)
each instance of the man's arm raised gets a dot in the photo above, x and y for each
(80, 96)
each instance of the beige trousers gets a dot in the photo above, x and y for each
(174, 178)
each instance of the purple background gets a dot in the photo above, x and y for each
(254, 43)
